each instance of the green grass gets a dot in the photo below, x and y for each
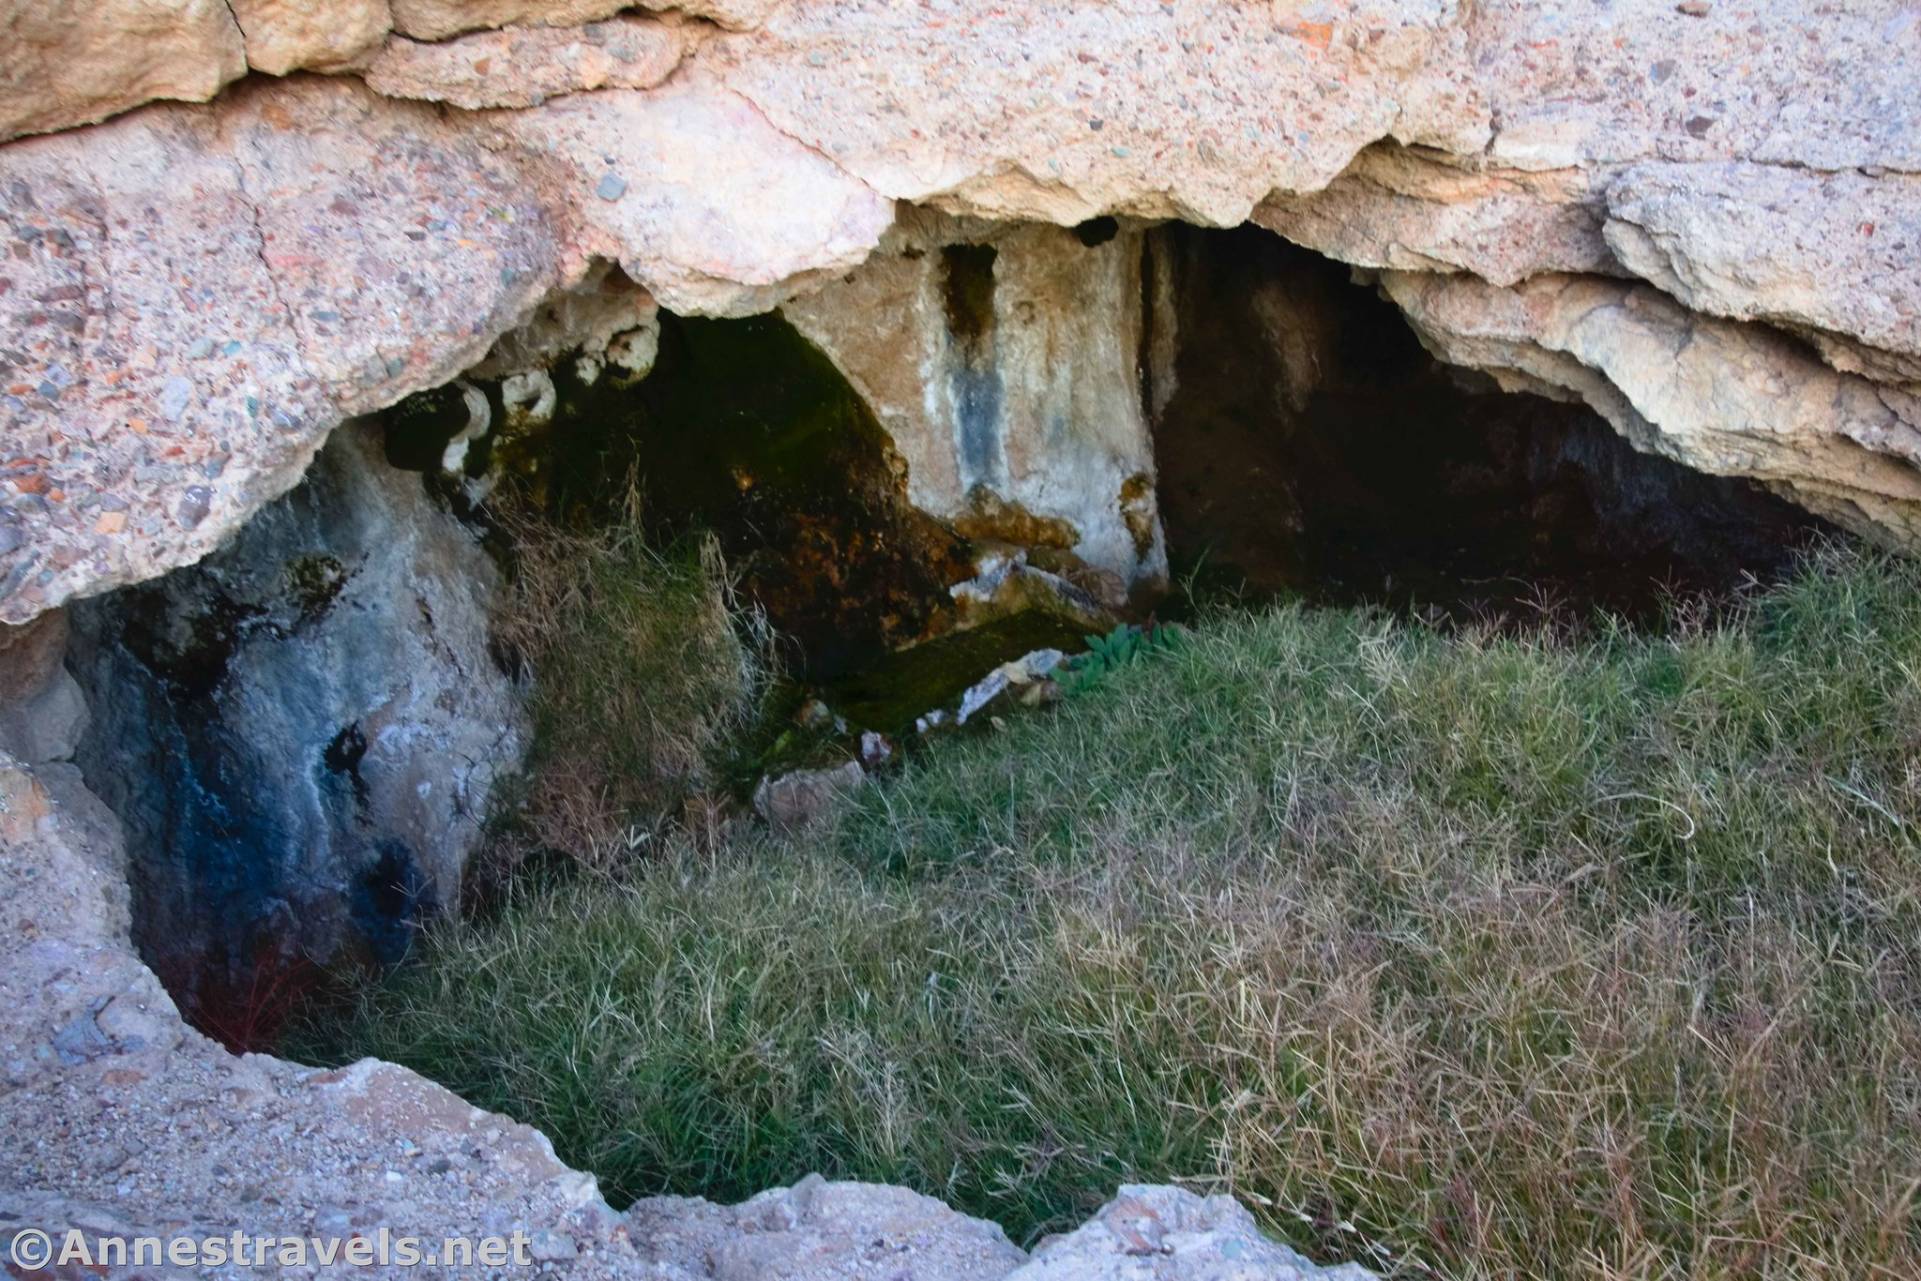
(649, 672)
(1505, 956)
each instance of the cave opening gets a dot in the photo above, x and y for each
(1308, 445)
(974, 447)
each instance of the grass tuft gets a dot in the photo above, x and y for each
(1495, 955)
(648, 672)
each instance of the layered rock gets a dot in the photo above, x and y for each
(288, 35)
(195, 306)
(63, 64)
(1724, 398)
(1502, 140)
(526, 66)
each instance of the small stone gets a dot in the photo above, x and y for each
(612, 186)
(194, 506)
(175, 396)
(1693, 8)
(794, 800)
(548, 1246)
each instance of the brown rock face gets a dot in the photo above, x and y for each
(64, 64)
(438, 19)
(321, 35)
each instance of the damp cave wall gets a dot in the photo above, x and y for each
(303, 732)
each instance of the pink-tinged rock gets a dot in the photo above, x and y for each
(319, 35)
(195, 299)
(64, 63)
(1395, 207)
(699, 198)
(1061, 111)
(1828, 86)
(1823, 254)
(525, 66)
(438, 19)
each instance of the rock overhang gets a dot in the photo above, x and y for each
(199, 294)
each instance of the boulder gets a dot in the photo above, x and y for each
(64, 64)
(318, 35)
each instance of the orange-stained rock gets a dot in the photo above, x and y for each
(64, 64)
(318, 35)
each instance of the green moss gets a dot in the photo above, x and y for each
(315, 582)
(891, 693)
(747, 430)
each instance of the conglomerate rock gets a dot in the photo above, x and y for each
(196, 295)
(1629, 203)
(523, 67)
(64, 64)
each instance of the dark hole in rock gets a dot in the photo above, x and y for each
(390, 900)
(746, 430)
(1312, 446)
(343, 757)
(1097, 231)
(969, 292)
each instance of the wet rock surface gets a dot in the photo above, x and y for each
(301, 735)
(116, 1119)
(1003, 434)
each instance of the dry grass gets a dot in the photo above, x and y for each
(647, 670)
(1471, 956)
